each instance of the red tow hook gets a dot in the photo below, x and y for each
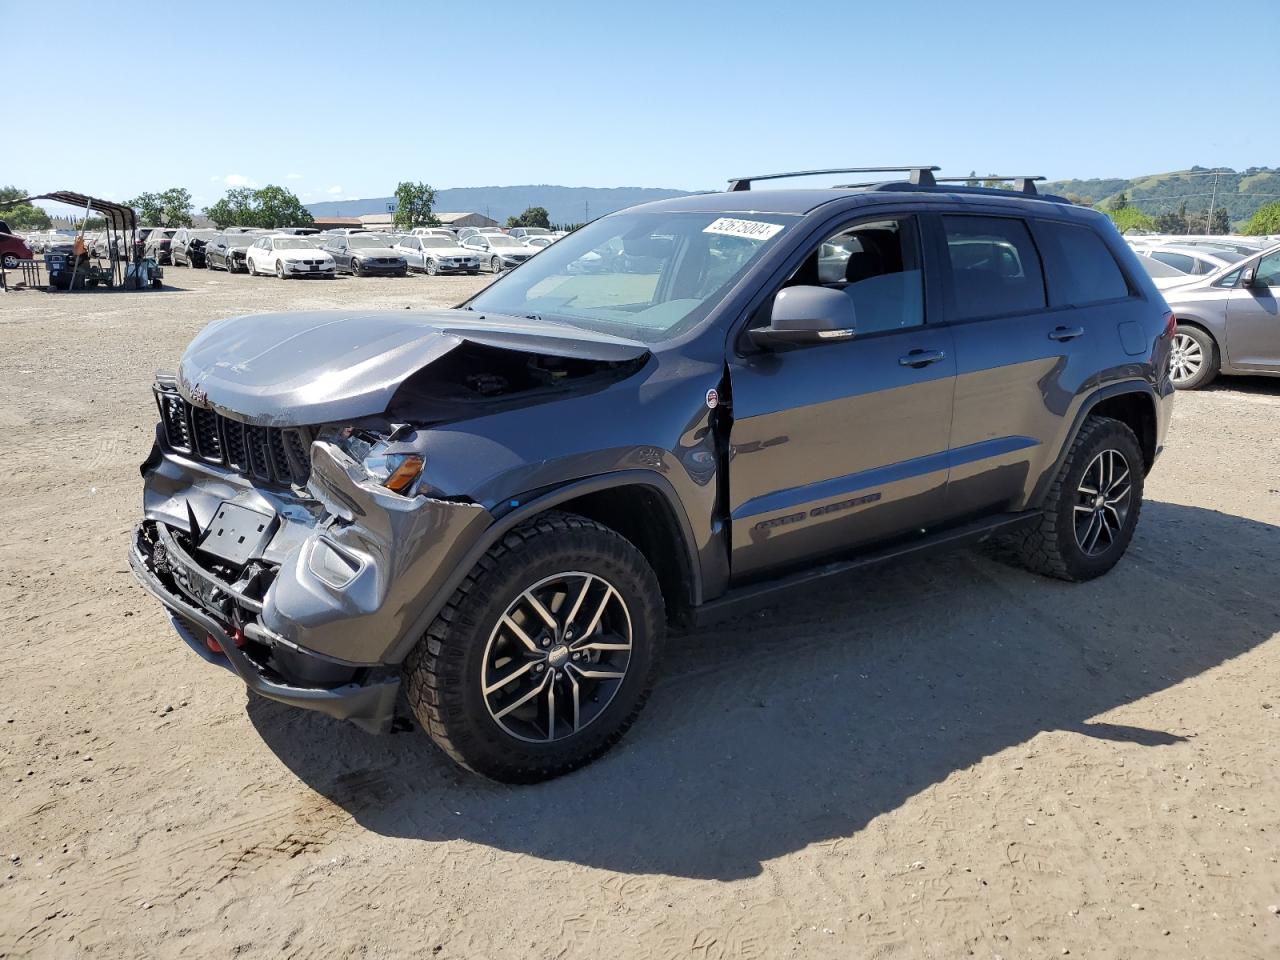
(214, 646)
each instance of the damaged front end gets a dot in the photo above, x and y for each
(300, 551)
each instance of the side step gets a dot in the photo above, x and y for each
(740, 600)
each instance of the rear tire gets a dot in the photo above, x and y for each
(1091, 510)
(504, 705)
(1194, 361)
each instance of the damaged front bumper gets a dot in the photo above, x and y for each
(313, 600)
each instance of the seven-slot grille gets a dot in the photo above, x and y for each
(269, 454)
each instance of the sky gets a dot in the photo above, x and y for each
(342, 100)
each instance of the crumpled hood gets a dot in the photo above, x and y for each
(295, 369)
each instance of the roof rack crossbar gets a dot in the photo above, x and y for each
(921, 175)
(1021, 184)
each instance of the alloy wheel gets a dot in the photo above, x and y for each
(1186, 358)
(495, 265)
(557, 657)
(1103, 500)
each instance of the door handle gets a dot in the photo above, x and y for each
(1066, 333)
(921, 358)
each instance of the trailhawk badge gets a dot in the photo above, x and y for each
(713, 398)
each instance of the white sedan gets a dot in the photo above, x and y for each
(288, 256)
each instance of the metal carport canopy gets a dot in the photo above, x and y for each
(119, 215)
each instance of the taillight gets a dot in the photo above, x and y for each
(1170, 324)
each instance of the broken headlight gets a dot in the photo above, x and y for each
(398, 472)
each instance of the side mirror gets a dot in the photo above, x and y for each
(807, 315)
(1250, 277)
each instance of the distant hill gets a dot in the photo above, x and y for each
(1240, 193)
(563, 204)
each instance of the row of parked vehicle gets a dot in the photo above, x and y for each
(305, 252)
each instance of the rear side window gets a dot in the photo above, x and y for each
(1179, 261)
(1082, 268)
(995, 268)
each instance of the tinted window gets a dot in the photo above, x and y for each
(1083, 269)
(995, 268)
(1179, 261)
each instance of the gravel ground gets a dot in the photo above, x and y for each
(940, 759)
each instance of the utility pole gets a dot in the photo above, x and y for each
(586, 211)
(1213, 200)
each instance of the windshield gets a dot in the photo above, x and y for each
(497, 241)
(365, 240)
(438, 242)
(643, 276)
(293, 243)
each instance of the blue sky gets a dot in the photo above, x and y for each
(339, 100)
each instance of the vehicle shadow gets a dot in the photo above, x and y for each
(1262, 386)
(803, 723)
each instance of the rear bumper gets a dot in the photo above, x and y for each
(367, 698)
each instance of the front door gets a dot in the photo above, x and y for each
(1253, 319)
(843, 444)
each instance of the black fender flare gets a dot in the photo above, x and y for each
(540, 503)
(1140, 387)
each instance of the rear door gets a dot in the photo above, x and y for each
(843, 444)
(1035, 308)
(1253, 319)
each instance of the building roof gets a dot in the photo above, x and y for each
(455, 217)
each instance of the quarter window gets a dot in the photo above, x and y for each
(995, 268)
(1082, 268)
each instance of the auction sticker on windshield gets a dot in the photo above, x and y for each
(746, 229)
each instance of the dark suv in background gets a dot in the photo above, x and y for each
(505, 505)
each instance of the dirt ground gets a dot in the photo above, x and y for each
(942, 759)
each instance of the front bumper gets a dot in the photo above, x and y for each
(369, 269)
(292, 624)
(304, 270)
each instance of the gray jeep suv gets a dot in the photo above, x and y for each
(678, 411)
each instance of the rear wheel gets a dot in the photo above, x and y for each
(545, 655)
(1193, 362)
(1091, 510)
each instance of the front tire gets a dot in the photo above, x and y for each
(1194, 360)
(496, 266)
(279, 270)
(430, 268)
(545, 654)
(1092, 508)
(355, 269)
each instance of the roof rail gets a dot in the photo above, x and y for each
(920, 175)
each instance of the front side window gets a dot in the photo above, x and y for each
(642, 275)
(877, 265)
(1269, 270)
(1083, 268)
(995, 268)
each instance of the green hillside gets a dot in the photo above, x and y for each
(1239, 193)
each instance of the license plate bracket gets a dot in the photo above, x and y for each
(237, 533)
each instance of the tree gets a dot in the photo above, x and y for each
(532, 217)
(973, 180)
(1265, 220)
(1120, 202)
(169, 208)
(271, 206)
(1130, 217)
(22, 216)
(236, 209)
(278, 207)
(413, 205)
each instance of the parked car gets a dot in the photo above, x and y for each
(502, 506)
(540, 242)
(432, 255)
(227, 251)
(187, 246)
(159, 244)
(498, 252)
(13, 249)
(523, 233)
(1160, 271)
(365, 254)
(1195, 261)
(288, 256)
(433, 232)
(1227, 322)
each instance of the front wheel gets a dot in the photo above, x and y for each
(1193, 361)
(431, 268)
(545, 655)
(250, 267)
(495, 265)
(1092, 508)
(279, 270)
(10, 260)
